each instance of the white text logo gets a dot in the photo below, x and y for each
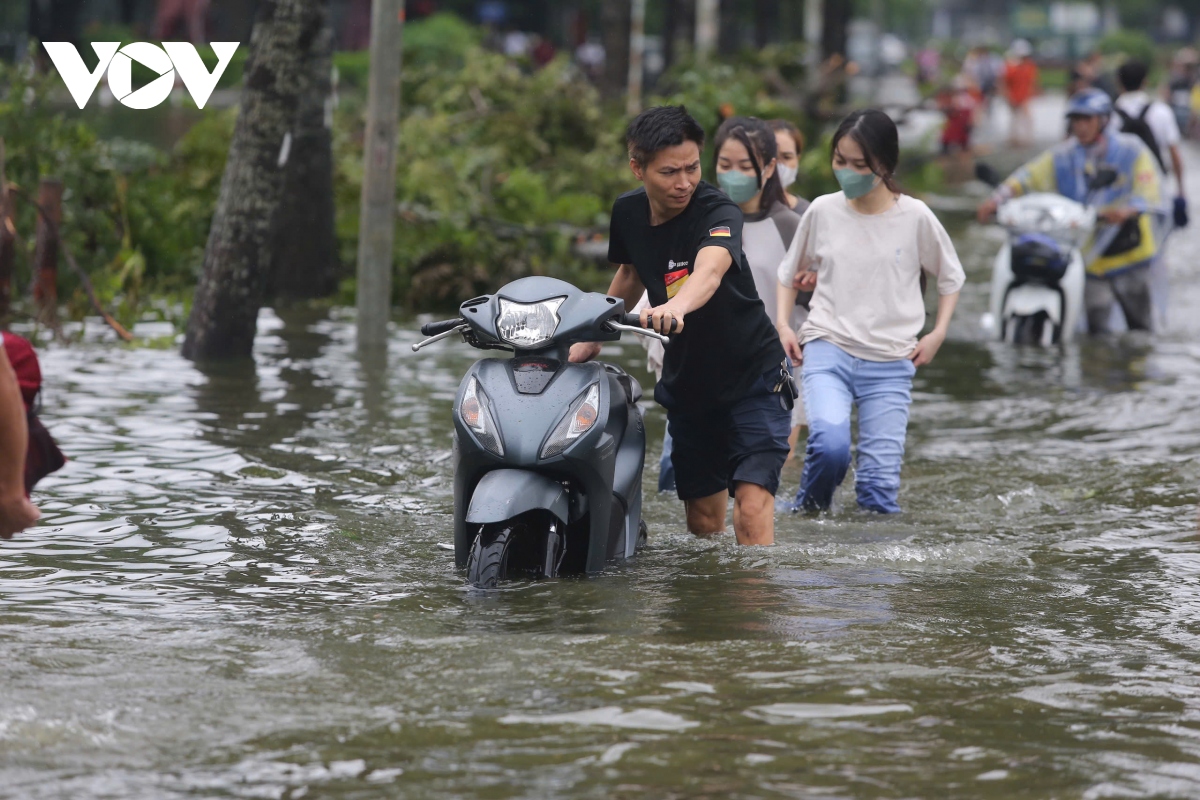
(172, 57)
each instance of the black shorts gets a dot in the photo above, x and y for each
(746, 442)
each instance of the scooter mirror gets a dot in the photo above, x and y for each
(988, 174)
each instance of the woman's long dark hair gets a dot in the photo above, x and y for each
(759, 140)
(876, 134)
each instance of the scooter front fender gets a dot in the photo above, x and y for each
(506, 493)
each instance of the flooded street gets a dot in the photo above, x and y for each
(237, 591)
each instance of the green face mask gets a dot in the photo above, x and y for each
(738, 185)
(855, 184)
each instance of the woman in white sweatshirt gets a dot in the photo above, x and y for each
(862, 252)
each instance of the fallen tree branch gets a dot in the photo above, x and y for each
(79, 273)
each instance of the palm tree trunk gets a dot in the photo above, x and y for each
(237, 258)
(303, 242)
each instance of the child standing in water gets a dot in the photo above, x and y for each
(862, 251)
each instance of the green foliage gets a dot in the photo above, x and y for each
(135, 218)
(1129, 44)
(706, 90)
(442, 39)
(499, 170)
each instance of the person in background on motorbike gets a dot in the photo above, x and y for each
(725, 377)
(1123, 247)
(863, 250)
(16, 511)
(746, 164)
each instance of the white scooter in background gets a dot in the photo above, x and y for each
(1039, 274)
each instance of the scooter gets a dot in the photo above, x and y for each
(548, 455)
(1039, 274)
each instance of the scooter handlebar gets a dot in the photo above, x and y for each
(635, 320)
(437, 328)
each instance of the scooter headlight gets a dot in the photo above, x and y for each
(578, 421)
(476, 413)
(528, 324)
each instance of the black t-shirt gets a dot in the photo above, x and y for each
(729, 342)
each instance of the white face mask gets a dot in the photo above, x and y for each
(787, 175)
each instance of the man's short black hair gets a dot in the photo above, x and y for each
(657, 129)
(1132, 74)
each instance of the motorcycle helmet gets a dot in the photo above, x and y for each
(1090, 103)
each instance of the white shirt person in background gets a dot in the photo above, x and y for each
(1155, 123)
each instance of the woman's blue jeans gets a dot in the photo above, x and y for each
(882, 390)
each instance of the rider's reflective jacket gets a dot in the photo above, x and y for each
(1065, 169)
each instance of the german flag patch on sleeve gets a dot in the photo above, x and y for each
(722, 230)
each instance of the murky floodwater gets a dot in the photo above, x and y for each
(237, 592)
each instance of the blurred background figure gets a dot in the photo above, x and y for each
(929, 64)
(789, 143)
(1180, 87)
(983, 70)
(1020, 86)
(959, 103)
(176, 18)
(1089, 73)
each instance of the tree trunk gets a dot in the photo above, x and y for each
(833, 32)
(45, 253)
(303, 242)
(708, 13)
(729, 25)
(237, 258)
(8, 245)
(615, 17)
(678, 17)
(766, 22)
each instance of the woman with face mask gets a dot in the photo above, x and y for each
(789, 144)
(862, 252)
(746, 167)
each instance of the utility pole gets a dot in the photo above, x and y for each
(377, 223)
(707, 12)
(637, 52)
(814, 19)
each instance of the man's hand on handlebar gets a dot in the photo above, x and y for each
(1118, 216)
(583, 351)
(987, 209)
(662, 319)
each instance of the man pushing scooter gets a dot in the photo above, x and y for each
(726, 385)
(1123, 247)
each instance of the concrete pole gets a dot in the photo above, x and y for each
(377, 223)
(707, 13)
(637, 52)
(814, 24)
